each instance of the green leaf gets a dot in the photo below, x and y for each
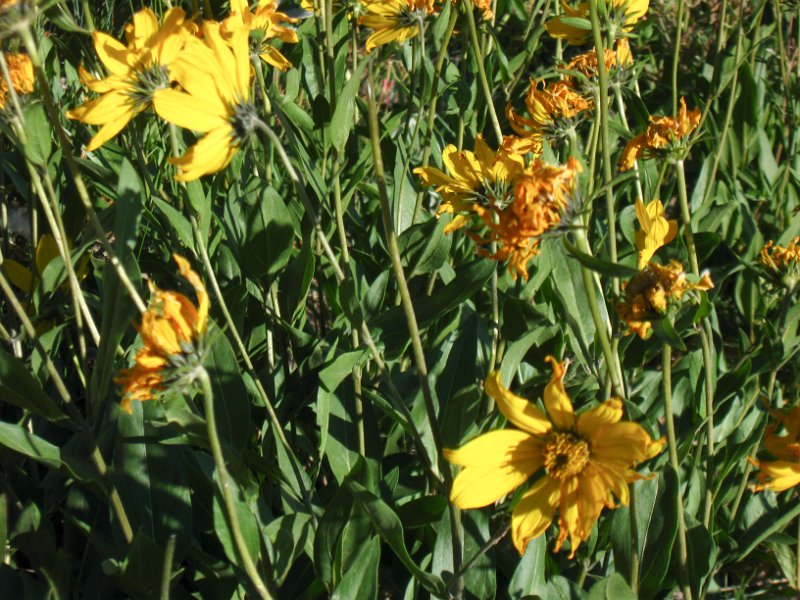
(388, 526)
(343, 114)
(18, 387)
(180, 224)
(340, 367)
(656, 515)
(231, 399)
(666, 333)
(529, 576)
(361, 581)
(611, 588)
(37, 128)
(21, 440)
(601, 266)
(270, 235)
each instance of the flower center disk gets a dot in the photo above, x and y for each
(565, 455)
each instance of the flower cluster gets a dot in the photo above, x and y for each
(20, 71)
(172, 331)
(588, 461)
(778, 258)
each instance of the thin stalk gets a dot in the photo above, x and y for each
(469, 10)
(676, 57)
(686, 217)
(602, 76)
(490, 543)
(83, 427)
(248, 363)
(166, 574)
(623, 115)
(411, 319)
(227, 487)
(87, 14)
(80, 186)
(683, 553)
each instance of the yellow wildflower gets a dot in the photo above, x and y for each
(656, 230)
(783, 473)
(268, 22)
(648, 294)
(587, 459)
(662, 135)
(625, 12)
(471, 176)
(171, 330)
(550, 109)
(539, 199)
(393, 20)
(136, 71)
(20, 70)
(215, 100)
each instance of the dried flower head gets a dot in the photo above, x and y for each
(172, 332)
(20, 71)
(649, 294)
(664, 136)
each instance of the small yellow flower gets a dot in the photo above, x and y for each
(663, 136)
(625, 12)
(171, 330)
(550, 109)
(649, 293)
(656, 230)
(269, 22)
(214, 100)
(587, 461)
(783, 473)
(779, 258)
(482, 175)
(20, 70)
(393, 20)
(539, 199)
(137, 71)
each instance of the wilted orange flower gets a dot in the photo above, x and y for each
(482, 175)
(171, 330)
(779, 258)
(625, 12)
(393, 20)
(550, 109)
(587, 461)
(783, 473)
(266, 20)
(539, 198)
(648, 294)
(664, 134)
(20, 70)
(586, 63)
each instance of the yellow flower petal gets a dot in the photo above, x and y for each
(517, 410)
(534, 512)
(594, 419)
(21, 277)
(188, 111)
(209, 155)
(556, 400)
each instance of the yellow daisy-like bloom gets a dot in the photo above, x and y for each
(663, 135)
(137, 71)
(393, 20)
(266, 20)
(779, 258)
(587, 458)
(656, 230)
(781, 474)
(648, 294)
(550, 110)
(482, 175)
(215, 100)
(586, 63)
(171, 330)
(20, 70)
(625, 12)
(539, 199)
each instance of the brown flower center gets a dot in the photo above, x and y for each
(565, 455)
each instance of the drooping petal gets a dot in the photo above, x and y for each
(556, 400)
(534, 512)
(777, 475)
(20, 276)
(209, 155)
(625, 443)
(495, 448)
(187, 111)
(517, 410)
(200, 289)
(116, 57)
(594, 419)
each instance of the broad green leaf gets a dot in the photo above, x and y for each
(361, 581)
(37, 128)
(612, 588)
(18, 387)
(342, 120)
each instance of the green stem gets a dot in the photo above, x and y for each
(227, 487)
(469, 10)
(686, 217)
(166, 574)
(605, 132)
(683, 553)
(83, 427)
(676, 57)
(411, 320)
